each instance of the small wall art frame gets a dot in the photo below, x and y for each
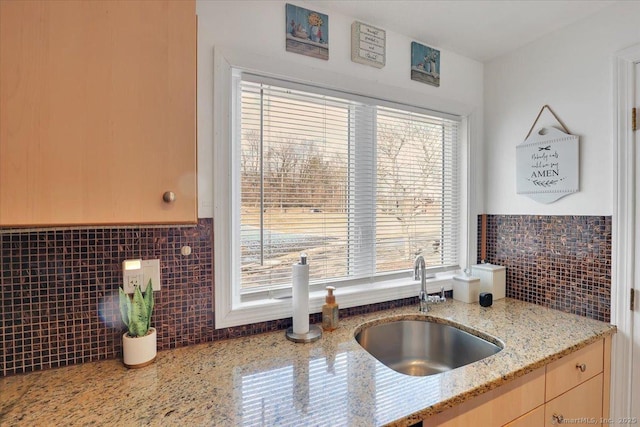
(425, 64)
(307, 32)
(368, 45)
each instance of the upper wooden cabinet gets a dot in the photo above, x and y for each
(97, 112)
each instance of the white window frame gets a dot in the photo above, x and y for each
(229, 310)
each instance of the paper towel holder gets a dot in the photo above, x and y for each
(315, 332)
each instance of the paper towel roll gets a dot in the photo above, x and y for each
(300, 291)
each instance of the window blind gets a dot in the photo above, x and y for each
(360, 188)
(417, 203)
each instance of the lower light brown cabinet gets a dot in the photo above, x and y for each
(496, 407)
(534, 418)
(582, 405)
(97, 112)
(573, 390)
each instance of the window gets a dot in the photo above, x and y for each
(361, 186)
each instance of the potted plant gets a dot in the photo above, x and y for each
(139, 343)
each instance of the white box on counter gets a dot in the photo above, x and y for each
(466, 288)
(492, 279)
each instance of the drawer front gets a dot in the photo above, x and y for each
(581, 405)
(496, 407)
(574, 369)
(533, 418)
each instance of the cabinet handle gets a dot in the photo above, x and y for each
(169, 196)
(557, 418)
(581, 366)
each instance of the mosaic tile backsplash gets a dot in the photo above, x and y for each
(59, 293)
(560, 262)
(59, 287)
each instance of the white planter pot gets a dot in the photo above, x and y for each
(139, 351)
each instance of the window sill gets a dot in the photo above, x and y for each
(352, 296)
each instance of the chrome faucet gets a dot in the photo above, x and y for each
(420, 273)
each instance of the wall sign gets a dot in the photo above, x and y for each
(368, 45)
(547, 164)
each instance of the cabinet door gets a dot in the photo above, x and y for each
(579, 406)
(97, 106)
(496, 407)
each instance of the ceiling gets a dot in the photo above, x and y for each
(480, 29)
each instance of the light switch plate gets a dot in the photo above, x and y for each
(151, 270)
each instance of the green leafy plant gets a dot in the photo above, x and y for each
(136, 311)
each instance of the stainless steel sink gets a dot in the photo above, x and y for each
(420, 348)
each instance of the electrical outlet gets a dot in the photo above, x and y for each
(131, 275)
(133, 281)
(136, 272)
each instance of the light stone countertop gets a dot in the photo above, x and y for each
(266, 380)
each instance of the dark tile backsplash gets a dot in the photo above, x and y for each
(59, 287)
(59, 293)
(561, 262)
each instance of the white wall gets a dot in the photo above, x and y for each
(571, 71)
(253, 32)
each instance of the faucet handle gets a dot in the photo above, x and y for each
(442, 298)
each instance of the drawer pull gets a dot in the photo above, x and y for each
(581, 366)
(169, 197)
(557, 418)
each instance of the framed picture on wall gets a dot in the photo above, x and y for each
(368, 44)
(425, 64)
(307, 32)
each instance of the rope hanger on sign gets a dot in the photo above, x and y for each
(554, 116)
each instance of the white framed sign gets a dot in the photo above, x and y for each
(368, 45)
(547, 165)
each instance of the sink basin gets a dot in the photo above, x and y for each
(420, 348)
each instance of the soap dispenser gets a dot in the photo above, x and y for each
(330, 311)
